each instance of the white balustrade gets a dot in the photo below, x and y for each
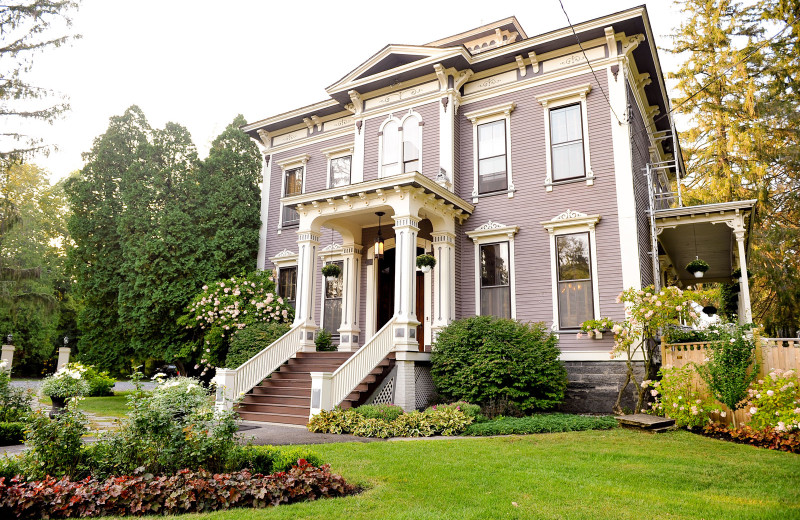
(331, 389)
(233, 383)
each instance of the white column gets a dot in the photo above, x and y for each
(8, 357)
(405, 392)
(349, 331)
(63, 357)
(225, 380)
(308, 245)
(405, 329)
(320, 392)
(744, 285)
(444, 282)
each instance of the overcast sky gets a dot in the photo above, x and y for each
(200, 63)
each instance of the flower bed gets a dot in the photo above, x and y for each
(766, 438)
(184, 492)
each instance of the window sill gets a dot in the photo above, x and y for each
(288, 226)
(509, 192)
(589, 180)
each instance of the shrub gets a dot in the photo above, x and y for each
(483, 359)
(413, 424)
(269, 459)
(11, 466)
(470, 410)
(731, 366)
(765, 438)
(676, 397)
(324, 341)
(541, 423)
(15, 403)
(67, 382)
(251, 340)
(173, 427)
(448, 420)
(445, 420)
(385, 412)
(100, 383)
(774, 402)
(184, 492)
(11, 433)
(55, 446)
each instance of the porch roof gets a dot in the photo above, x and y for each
(367, 191)
(690, 232)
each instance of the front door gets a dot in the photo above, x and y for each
(385, 292)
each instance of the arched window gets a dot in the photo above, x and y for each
(400, 145)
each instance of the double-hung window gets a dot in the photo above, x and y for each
(400, 145)
(573, 254)
(491, 133)
(292, 183)
(566, 136)
(495, 271)
(287, 284)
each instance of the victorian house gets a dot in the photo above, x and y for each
(539, 171)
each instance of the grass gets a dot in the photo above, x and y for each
(613, 474)
(111, 406)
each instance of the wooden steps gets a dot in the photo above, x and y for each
(642, 421)
(285, 396)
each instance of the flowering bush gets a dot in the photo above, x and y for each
(646, 312)
(774, 402)
(677, 397)
(229, 305)
(184, 492)
(67, 382)
(14, 402)
(55, 446)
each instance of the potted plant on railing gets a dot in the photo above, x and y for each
(331, 272)
(63, 385)
(697, 267)
(425, 263)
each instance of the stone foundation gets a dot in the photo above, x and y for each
(593, 386)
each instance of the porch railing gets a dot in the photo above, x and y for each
(330, 389)
(233, 383)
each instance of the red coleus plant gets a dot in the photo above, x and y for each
(186, 491)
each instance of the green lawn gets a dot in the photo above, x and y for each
(111, 406)
(617, 474)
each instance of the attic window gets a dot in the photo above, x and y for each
(491, 41)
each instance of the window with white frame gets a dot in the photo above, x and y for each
(573, 253)
(566, 136)
(340, 161)
(292, 183)
(494, 269)
(332, 306)
(287, 284)
(491, 132)
(400, 145)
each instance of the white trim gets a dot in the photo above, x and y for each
(263, 232)
(490, 115)
(557, 99)
(491, 233)
(568, 223)
(335, 152)
(291, 163)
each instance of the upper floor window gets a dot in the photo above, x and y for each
(492, 157)
(491, 129)
(292, 183)
(340, 171)
(400, 145)
(566, 135)
(566, 138)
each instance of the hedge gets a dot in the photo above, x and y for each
(11, 433)
(542, 423)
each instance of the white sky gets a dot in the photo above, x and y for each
(199, 63)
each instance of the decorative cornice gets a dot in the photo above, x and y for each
(492, 230)
(285, 253)
(569, 214)
(521, 65)
(297, 160)
(571, 219)
(490, 225)
(629, 43)
(505, 108)
(265, 138)
(579, 91)
(358, 103)
(331, 247)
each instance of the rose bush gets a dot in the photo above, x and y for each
(679, 398)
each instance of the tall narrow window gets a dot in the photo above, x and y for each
(495, 280)
(332, 318)
(390, 149)
(566, 141)
(492, 157)
(575, 300)
(340, 171)
(410, 145)
(292, 185)
(287, 284)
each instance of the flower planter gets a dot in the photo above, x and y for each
(59, 405)
(331, 278)
(425, 269)
(698, 274)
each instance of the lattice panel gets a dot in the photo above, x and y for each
(424, 386)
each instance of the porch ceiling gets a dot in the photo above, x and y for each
(366, 196)
(705, 232)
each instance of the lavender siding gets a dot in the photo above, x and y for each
(639, 159)
(532, 205)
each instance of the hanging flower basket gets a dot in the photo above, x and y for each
(697, 267)
(331, 272)
(425, 263)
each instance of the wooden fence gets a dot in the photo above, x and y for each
(772, 353)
